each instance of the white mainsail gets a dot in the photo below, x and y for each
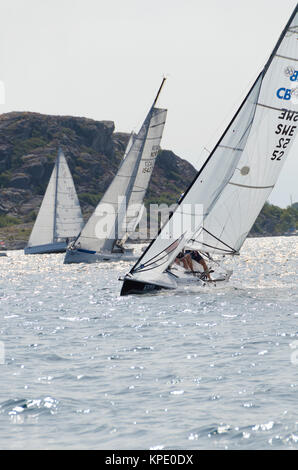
(59, 217)
(238, 176)
(123, 200)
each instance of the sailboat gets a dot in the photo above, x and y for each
(236, 179)
(120, 209)
(59, 219)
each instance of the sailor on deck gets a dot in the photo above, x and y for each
(186, 257)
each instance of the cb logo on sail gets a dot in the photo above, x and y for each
(284, 93)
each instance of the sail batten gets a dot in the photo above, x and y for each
(287, 58)
(251, 187)
(271, 107)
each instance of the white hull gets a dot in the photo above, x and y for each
(84, 256)
(172, 279)
(58, 247)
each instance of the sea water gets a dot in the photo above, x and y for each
(195, 368)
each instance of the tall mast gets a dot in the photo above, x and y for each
(158, 93)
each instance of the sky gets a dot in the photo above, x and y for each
(105, 60)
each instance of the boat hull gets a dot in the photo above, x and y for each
(58, 247)
(132, 286)
(85, 256)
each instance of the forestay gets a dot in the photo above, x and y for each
(238, 176)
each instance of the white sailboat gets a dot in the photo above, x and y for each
(59, 219)
(120, 209)
(237, 177)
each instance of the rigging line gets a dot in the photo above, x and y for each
(149, 262)
(218, 239)
(220, 249)
(148, 268)
(226, 252)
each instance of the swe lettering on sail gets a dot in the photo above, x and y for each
(287, 130)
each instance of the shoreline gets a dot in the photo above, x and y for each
(21, 244)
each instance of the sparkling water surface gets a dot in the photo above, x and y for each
(196, 368)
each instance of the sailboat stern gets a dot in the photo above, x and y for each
(131, 285)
